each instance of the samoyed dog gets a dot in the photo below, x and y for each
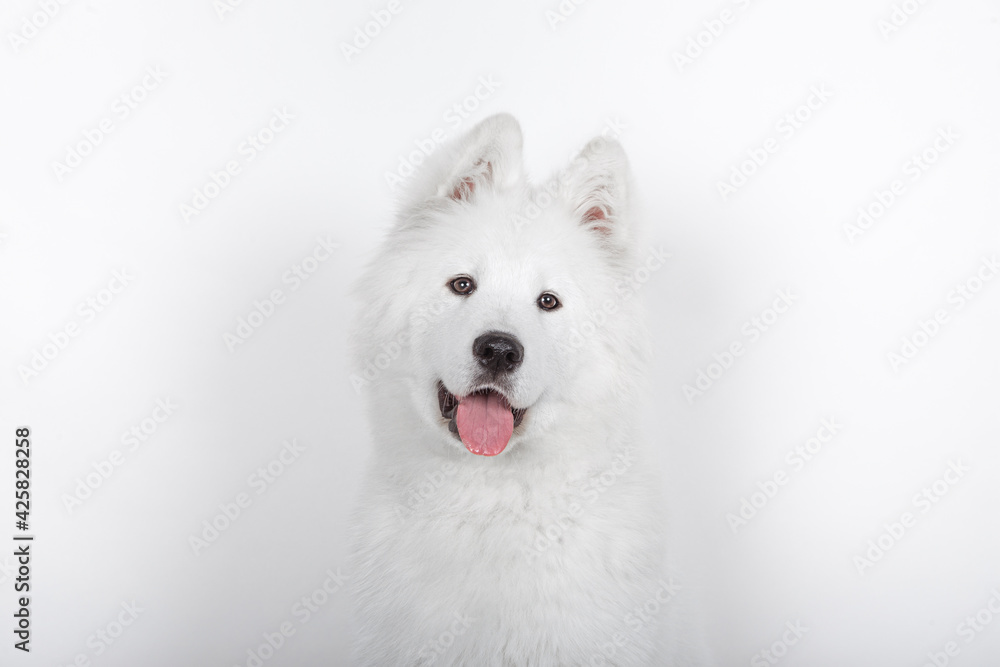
(509, 515)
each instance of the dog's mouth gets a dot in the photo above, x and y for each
(484, 420)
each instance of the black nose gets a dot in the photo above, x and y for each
(499, 352)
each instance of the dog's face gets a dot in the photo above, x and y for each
(507, 294)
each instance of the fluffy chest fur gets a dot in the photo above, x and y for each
(531, 564)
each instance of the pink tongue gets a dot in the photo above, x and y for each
(485, 423)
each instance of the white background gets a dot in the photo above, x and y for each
(685, 127)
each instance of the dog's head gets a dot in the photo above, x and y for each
(498, 309)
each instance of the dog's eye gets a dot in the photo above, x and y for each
(463, 285)
(548, 301)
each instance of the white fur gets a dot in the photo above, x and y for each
(451, 563)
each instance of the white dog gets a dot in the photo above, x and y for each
(509, 516)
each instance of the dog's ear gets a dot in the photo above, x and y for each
(595, 187)
(488, 156)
